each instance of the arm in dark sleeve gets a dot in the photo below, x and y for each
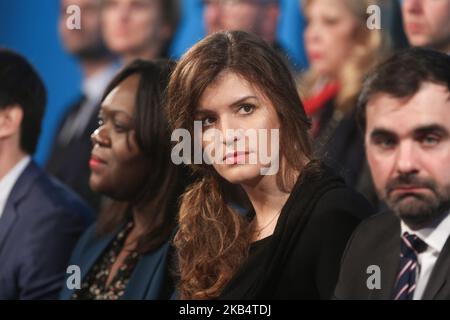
(45, 259)
(340, 213)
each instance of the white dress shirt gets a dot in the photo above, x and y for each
(435, 237)
(9, 180)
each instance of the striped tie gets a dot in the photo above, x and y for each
(405, 283)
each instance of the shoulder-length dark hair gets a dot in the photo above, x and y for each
(213, 240)
(159, 195)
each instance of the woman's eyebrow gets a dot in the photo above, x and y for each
(241, 100)
(113, 111)
(206, 110)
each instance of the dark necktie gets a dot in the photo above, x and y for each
(405, 283)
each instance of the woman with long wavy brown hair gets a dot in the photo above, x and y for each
(289, 243)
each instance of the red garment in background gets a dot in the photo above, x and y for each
(314, 104)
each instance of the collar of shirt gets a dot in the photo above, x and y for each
(9, 180)
(94, 86)
(434, 236)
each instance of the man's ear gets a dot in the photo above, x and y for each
(10, 120)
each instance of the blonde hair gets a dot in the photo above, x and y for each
(371, 48)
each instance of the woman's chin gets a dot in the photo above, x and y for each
(95, 183)
(240, 174)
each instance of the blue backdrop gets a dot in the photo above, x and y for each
(30, 28)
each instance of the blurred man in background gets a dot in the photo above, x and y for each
(254, 16)
(139, 29)
(259, 17)
(427, 23)
(40, 219)
(72, 146)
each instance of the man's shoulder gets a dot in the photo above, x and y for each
(373, 233)
(379, 223)
(345, 200)
(46, 194)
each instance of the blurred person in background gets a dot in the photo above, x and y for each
(392, 23)
(340, 49)
(259, 17)
(126, 254)
(40, 219)
(69, 158)
(427, 23)
(139, 29)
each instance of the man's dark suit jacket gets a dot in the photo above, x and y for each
(377, 242)
(39, 227)
(69, 162)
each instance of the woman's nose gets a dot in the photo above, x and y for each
(100, 137)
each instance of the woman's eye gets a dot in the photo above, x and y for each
(208, 121)
(119, 127)
(246, 109)
(330, 21)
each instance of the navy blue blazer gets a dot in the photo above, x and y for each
(39, 227)
(150, 279)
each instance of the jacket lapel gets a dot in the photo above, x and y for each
(88, 257)
(439, 274)
(94, 251)
(149, 276)
(388, 257)
(7, 220)
(20, 190)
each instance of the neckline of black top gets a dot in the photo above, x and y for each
(261, 242)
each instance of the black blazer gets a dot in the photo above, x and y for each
(301, 260)
(40, 226)
(70, 162)
(377, 242)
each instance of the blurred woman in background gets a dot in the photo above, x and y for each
(125, 254)
(341, 49)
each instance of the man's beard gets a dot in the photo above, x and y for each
(417, 209)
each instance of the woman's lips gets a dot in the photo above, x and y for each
(96, 162)
(314, 56)
(235, 157)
